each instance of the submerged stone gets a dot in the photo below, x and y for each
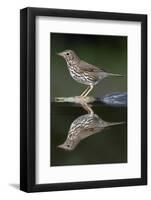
(115, 99)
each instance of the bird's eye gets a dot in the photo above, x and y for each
(67, 54)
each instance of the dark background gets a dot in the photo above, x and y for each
(109, 53)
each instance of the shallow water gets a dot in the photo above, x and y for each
(107, 146)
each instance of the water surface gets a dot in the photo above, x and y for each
(107, 146)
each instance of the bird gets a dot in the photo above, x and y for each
(83, 127)
(83, 72)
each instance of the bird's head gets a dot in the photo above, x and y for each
(69, 55)
(68, 145)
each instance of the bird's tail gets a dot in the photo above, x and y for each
(115, 123)
(120, 75)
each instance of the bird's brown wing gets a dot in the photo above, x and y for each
(89, 67)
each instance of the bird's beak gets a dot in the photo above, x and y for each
(60, 54)
(61, 146)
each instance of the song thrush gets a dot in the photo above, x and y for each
(84, 72)
(83, 127)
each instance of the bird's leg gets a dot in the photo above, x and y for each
(86, 106)
(91, 87)
(85, 91)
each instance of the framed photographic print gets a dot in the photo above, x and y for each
(83, 98)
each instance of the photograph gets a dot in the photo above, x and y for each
(83, 99)
(88, 93)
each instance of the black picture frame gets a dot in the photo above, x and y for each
(28, 98)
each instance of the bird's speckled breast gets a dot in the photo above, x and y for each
(80, 76)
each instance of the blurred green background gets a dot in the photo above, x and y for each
(109, 53)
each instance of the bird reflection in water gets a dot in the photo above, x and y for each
(84, 126)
